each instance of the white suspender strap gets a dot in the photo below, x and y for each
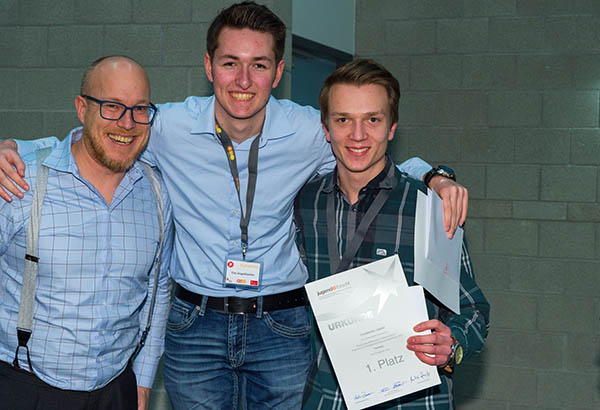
(155, 185)
(26, 303)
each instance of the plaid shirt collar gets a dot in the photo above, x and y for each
(383, 180)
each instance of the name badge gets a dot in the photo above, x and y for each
(242, 274)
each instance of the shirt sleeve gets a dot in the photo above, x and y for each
(146, 363)
(415, 167)
(470, 328)
(26, 147)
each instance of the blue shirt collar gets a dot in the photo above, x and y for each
(277, 125)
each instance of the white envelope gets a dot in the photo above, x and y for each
(433, 275)
(440, 250)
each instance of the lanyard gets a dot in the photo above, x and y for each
(252, 175)
(335, 264)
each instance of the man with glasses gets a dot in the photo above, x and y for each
(99, 237)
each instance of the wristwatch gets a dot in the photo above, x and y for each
(441, 170)
(455, 357)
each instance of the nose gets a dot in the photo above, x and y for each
(126, 121)
(243, 79)
(358, 131)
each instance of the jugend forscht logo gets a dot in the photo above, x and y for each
(332, 289)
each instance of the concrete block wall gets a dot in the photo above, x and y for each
(507, 93)
(46, 44)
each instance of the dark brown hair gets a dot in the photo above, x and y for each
(249, 15)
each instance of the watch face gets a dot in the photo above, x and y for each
(447, 169)
(459, 354)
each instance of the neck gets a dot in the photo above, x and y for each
(102, 178)
(239, 130)
(352, 182)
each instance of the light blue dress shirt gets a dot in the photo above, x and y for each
(206, 209)
(95, 276)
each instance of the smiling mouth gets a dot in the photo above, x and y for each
(121, 139)
(358, 150)
(242, 96)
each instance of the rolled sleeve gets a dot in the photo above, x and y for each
(26, 147)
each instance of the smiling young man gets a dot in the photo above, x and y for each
(238, 331)
(359, 110)
(99, 233)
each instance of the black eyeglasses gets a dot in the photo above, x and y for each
(114, 111)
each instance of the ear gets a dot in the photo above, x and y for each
(278, 73)
(208, 67)
(327, 134)
(80, 107)
(392, 131)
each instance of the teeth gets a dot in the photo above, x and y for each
(121, 139)
(242, 96)
(358, 150)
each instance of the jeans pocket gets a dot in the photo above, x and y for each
(181, 315)
(292, 322)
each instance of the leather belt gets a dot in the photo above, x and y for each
(278, 301)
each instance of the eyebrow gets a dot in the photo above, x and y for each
(118, 100)
(233, 57)
(347, 114)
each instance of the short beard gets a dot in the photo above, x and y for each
(98, 152)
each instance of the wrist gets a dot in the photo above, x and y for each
(455, 357)
(441, 171)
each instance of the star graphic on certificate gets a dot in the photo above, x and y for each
(388, 281)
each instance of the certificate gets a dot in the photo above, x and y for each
(365, 315)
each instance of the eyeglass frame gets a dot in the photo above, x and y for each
(101, 102)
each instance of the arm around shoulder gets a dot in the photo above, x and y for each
(12, 168)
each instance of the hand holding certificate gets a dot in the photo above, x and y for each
(365, 316)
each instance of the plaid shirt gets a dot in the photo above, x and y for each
(391, 232)
(94, 280)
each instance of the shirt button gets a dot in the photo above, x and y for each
(105, 303)
(236, 212)
(235, 243)
(104, 332)
(101, 359)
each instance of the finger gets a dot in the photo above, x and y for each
(455, 214)
(14, 167)
(431, 348)
(7, 183)
(465, 207)
(4, 195)
(447, 205)
(457, 208)
(435, 338)
(19, 165)
(436, 360)
(432, 324)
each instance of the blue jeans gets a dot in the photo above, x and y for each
(219, 361)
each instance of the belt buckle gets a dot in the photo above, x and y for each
(226, 307)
